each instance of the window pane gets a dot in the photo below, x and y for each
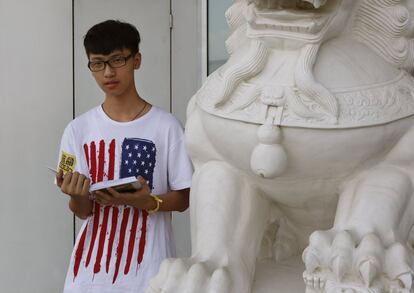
(218, 32)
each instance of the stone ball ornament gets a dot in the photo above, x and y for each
(268, 158)
(303, 148)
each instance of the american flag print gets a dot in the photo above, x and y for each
(113, 230)
(138, 158)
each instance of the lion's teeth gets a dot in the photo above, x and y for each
(316, 3)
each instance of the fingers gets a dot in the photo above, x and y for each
(139, 198)
(99, 198)
(144, 186)
(113, 192)
(102, 195)
(75, 184)
(103, 198)
(59, 178)
(74, 181)
(79, 184)
(86, 185)
(141, 180)
(66, 182)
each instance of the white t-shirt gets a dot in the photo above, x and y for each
(120, 248)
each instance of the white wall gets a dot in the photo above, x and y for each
(186, 80)
(35, 104)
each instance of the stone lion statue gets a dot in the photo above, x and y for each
(303, 145)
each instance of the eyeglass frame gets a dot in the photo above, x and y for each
(107, 62)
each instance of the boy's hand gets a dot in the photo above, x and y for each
(73, 184)
(140, 199)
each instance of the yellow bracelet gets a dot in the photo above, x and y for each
(158, 201)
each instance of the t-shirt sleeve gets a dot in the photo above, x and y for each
(180, 168)
(68, 157)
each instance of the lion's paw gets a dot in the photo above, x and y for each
(335, 263)
(189, 276)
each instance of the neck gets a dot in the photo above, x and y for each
(126, 108)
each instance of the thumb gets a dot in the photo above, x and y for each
(144, 183)
(141, 180)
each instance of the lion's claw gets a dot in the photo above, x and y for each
(345, 265)
(190, 275)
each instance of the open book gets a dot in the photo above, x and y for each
(128, 184)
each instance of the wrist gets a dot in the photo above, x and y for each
(78, 198)
(82, 209)
(150, 204)
(156, 204)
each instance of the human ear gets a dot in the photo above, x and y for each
(137, 60)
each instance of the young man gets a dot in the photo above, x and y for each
(125, 236)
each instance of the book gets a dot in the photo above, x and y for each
(128, 184)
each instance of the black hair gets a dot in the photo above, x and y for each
(110, 35)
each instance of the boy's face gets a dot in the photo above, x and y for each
(116, 80)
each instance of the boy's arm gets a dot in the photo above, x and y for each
(77, 187)
(177, 200)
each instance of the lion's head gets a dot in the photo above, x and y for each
(386, 26)
(282, 44)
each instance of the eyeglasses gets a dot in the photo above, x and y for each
(115, 62)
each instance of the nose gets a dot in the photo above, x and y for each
(108, 71)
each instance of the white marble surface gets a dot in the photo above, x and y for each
(279, 278)
(303, 145)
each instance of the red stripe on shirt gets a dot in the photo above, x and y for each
(94, 232)
(101, 161)
(115, 212)
(143, 236)
(86, 149)
(79, 252)
(111, 167)
(93, 162)
(131, 244)
(102, 236)
(120, 247)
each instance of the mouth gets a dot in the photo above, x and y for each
(111, 84)
(299, 18)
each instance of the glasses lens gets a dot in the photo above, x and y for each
(117, 62)
(96, 66)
